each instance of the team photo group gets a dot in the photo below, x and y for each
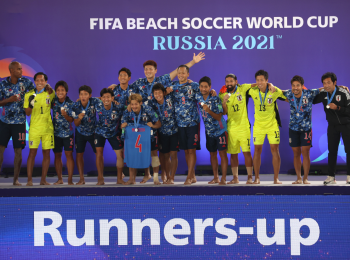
(148, 121)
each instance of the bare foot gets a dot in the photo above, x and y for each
(100, 183)
(277, 181)
(120, 181)
(170, 181)
(164, 180)
(16, 183)
(222, 182)
(214, 181)
(146, 178)
(305, 181)
(44, 183)
(250, 180)
(298, 181)
(81, 182)
(70, 183)
(29, 183)
(188, 182)
(129, 182)
(257, 181)
(58, 182)
(194, 180)
(123, 175)
(156, 182)
(234, 181)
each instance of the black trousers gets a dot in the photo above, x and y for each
(333, 134)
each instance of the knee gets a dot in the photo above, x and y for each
(18, 152)
(46, 154)
(173, 155)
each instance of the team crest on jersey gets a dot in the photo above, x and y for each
(114, 116)
(169, 103)
(48, 101)
(30, 143)
(239, 98)
(21, 87)
(190, 92)
(290, 140)
(144, 117)
(254, 139)
(95, 141)
(305, 100)
(269, 101)
(338, 98)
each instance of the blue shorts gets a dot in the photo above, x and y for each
(114, 141)
(168, 143)
(218, 143)
(66, 142)
(189, 137)
(300, 138)
(80, 142)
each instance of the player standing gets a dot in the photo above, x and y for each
(215, 129)
(141, 114)
(84, 114)
(62, 108)
(267, 122)
(336, 102)
(107, 128)
(37, 103)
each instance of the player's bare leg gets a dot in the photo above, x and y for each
(257, 162)
(276, 162)
(132, 175)
(45, 167)
(215, 166)
(58, 168)
(70, 166)
(173, 167)
(297, 164)
(234, 168)
(305, 151)
(224, 165)
(16, 165)
(99, 165)
(165, 167)
(155, 165)
(191, 162)
(120, 166)
(80, 165)
(147, 176)
(30, 165)
(249, 165)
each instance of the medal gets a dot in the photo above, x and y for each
(136, 122)
(136, 130)
(297, 114)
(330, 100)
(300, 102)
(327, 106)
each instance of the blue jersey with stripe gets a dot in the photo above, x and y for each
(61, 126)
(137, 146)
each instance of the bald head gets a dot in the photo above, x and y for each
(15, 69)
(13, 65)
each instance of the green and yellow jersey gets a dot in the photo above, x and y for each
(41, 120)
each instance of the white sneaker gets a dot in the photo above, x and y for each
(348, 179)
(330, 180)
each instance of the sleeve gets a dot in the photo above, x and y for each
(26, 100)
(246, 87)
(195, 87)
(278, 94)
(314, 92)
(121, 108)
(96, 101)
(198, 97)
(165, 80)
(221, 96)
(287, 94)
(30, 86)
(216, 106)
(1, 95)
(346, 110)
(136, 83)
(52, 95)
(125, 117)
(219, 106)
(318, 99)
(75, 111)
(153, 115)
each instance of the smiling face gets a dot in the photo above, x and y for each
(107, 99)
(204, 88)
(61, 92)
(84, 96)
(40, 82)
(150, 71)
(261, 81)
(159, 96)
(329, 85)
(182, 74)
(230, 83)
(124, 77)
(297, 88)
(135, 106)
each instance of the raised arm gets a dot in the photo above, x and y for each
(196, 58)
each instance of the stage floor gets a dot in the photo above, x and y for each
(200, 188)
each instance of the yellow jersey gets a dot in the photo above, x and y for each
(41, 119)
(266, 109)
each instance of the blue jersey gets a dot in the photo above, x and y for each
(147, 115)
(88, 123)
(144, 87)
(300, 119)
(185, 103)
(122, 96)
(166, 112)
(108, 120)
(62, 128)
(137, 147)
(213, 127)
(14, 113)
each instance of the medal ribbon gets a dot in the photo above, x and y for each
(330, 100)
(136, 123)
(300, 102)
(261, 101)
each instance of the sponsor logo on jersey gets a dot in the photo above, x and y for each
(338, 98)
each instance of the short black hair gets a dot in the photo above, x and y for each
(262, 73)
(205, 79)
(63, 84)
(158, 86)
(184, 66)
(126, 70)
(41, 73)
(105, 91)
(297, 78)
(329, 75)
(231, 75)
(85, 88)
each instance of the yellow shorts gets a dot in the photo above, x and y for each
(47, 140)
(237, 140)
(273, 134)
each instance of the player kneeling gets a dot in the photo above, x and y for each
(107, 128)
(141, 115)
(62, 108)
(215, 129)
